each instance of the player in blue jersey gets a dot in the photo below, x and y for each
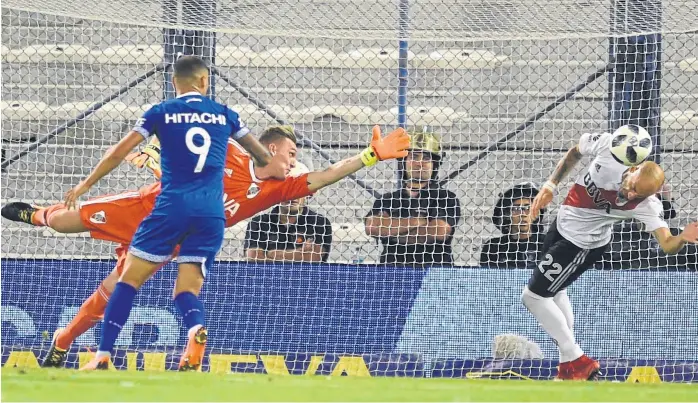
(189, 212)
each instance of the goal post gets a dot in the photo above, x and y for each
(493, 93)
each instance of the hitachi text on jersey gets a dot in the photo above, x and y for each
(204, 117)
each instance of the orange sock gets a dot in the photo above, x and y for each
(91, 312)
(41, 217)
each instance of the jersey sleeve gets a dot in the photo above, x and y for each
(651, 214)
(239, 128)
(594, 143)
(146, 124)
(295, 187)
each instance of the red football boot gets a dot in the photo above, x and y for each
(581, 369)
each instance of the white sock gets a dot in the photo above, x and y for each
(553, 321)
(101, 354)
(193, 330)
(562, 300)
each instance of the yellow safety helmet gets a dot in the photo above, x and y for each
(422, 140)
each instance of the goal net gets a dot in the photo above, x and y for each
(493, 94)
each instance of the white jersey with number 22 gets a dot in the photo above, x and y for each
(593, 204)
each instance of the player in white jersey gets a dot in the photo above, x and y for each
(606, 192)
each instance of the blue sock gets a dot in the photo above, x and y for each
(191, 309)
(116, 314)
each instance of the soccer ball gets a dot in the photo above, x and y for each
(630, 145)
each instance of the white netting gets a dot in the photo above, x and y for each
(477, 72)
(372, 20)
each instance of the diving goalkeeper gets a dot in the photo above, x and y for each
(247, 192)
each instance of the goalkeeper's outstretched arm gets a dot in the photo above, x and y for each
(394, 145)
(563, 168)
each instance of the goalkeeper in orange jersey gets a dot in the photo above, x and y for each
(247, 192)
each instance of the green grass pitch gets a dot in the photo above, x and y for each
(123, 386)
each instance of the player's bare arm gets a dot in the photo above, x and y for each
(394, 145)
(111, 159)
(672, 244)
(563, 168)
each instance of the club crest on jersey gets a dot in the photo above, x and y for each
(595, 193)
(598, 167)
(252, 191)
(98, 218)
(621, 200)
(228, 172)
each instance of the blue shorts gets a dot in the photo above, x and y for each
(200, 239)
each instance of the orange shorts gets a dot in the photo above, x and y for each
(114, 218)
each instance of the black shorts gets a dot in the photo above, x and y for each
(562, 263)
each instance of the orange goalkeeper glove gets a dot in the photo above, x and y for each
(394, 145)
(149, 157)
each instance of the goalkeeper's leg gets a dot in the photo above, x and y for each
(56, 216)
(91, 311)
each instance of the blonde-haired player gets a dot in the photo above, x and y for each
(606, 192)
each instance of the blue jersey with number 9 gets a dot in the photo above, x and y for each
(193, 132)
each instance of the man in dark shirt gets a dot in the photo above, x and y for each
(415, 224)
(521, 242)
(289, 232)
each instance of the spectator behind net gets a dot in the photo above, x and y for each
(416, 223)
(290, 232)
(522, 241)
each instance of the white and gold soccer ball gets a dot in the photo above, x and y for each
(630, 145)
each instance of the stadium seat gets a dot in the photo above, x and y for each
(680, 120)
(458, 59)
(689, 65)
(348, 113)
(354, 231)
(418, 116)
(252, 115)
(68, 110)
(119, 111)
(557, 63)
(237, 231)
(294, 57)
(372, 58)
(49, 53)
(24, 110)
(128, 54)
(233, 56)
